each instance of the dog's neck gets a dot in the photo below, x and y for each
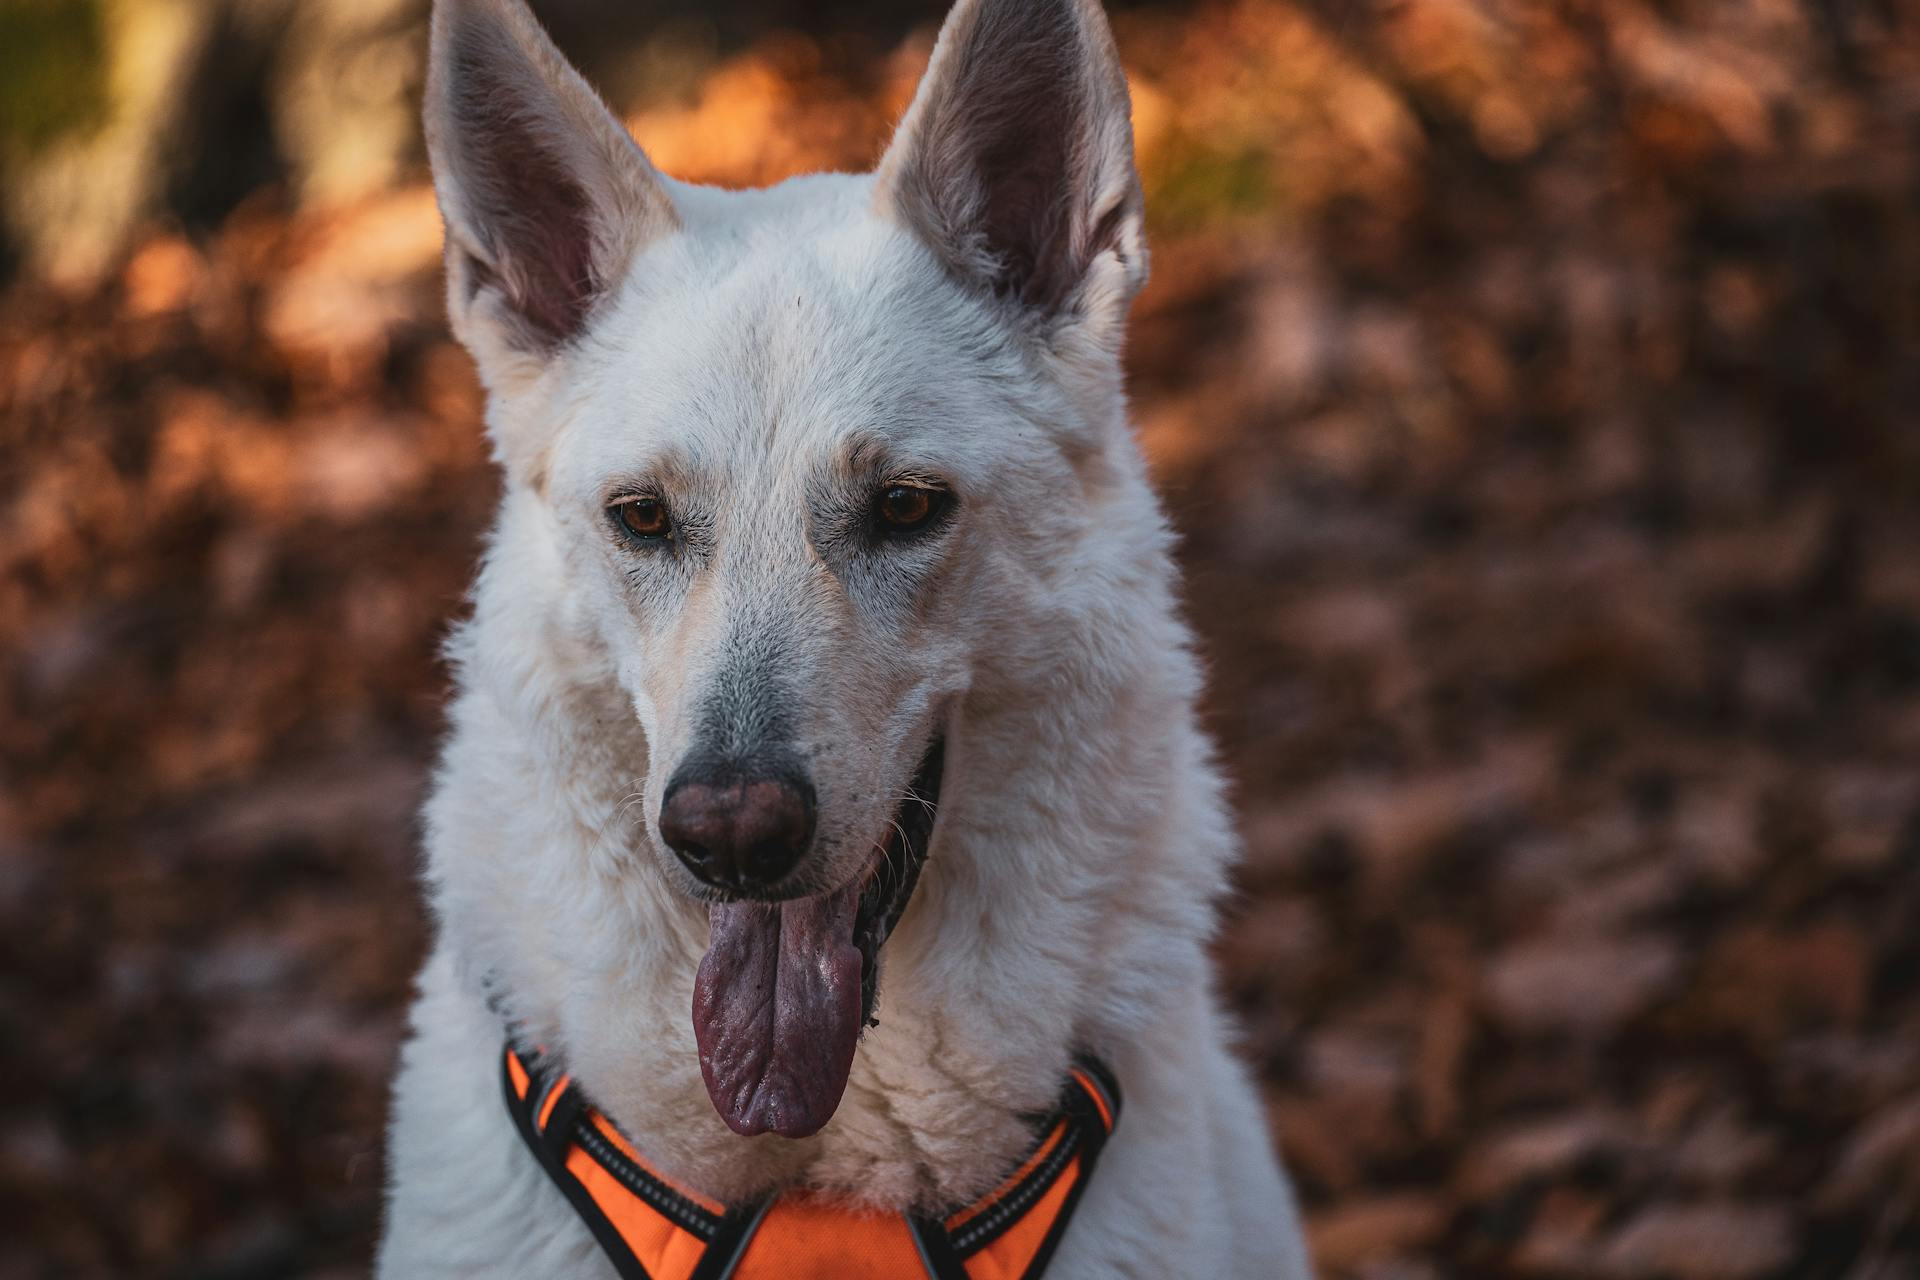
(1063, 904)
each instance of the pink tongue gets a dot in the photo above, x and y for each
(776, 1009)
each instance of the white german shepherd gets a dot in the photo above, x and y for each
(827, 595)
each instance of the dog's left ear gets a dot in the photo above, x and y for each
(1015, 163)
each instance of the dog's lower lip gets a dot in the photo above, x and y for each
(890, 881)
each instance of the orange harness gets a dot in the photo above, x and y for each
(652, 1230)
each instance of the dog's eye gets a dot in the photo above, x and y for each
(643, 518)
(907, 508)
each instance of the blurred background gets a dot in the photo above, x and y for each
(1535, 387)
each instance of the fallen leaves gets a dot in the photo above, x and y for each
(1533, 393)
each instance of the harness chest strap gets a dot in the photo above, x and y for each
(653, 1230)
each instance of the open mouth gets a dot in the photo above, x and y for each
(890, 884)
(787, 987)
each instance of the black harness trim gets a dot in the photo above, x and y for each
(669, 1202)
(1086, 1134)
(1083, 1133)
(729, 1244)
(604, 1232)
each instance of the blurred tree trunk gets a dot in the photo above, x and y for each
(201, 102)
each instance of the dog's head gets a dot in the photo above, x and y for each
(798, 460)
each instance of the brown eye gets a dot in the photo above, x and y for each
(643, 517)
(903, 508)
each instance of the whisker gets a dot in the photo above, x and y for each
(601, 844)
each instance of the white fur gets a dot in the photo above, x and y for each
(1082, 836)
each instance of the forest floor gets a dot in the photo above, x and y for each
(1548, 522)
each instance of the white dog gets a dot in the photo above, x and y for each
(828, 607)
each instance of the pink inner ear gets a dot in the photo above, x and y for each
(1008, 162)
(533, 217)
(1025, 217)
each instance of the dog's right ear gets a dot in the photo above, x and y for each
(546, 197)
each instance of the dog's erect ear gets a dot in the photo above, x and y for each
(546, 197)
(1015, 161)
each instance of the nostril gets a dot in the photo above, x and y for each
(768, 862)
(737, 830)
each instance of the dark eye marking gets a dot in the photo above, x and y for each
(903, 509)
(642, 518)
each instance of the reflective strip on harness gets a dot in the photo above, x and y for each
(653, 1230)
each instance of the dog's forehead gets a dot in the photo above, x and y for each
(782, 329)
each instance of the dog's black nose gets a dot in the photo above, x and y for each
(734, 829)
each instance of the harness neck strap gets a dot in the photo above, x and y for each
(653, 1230)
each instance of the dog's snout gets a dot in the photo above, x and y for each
(736, 829)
